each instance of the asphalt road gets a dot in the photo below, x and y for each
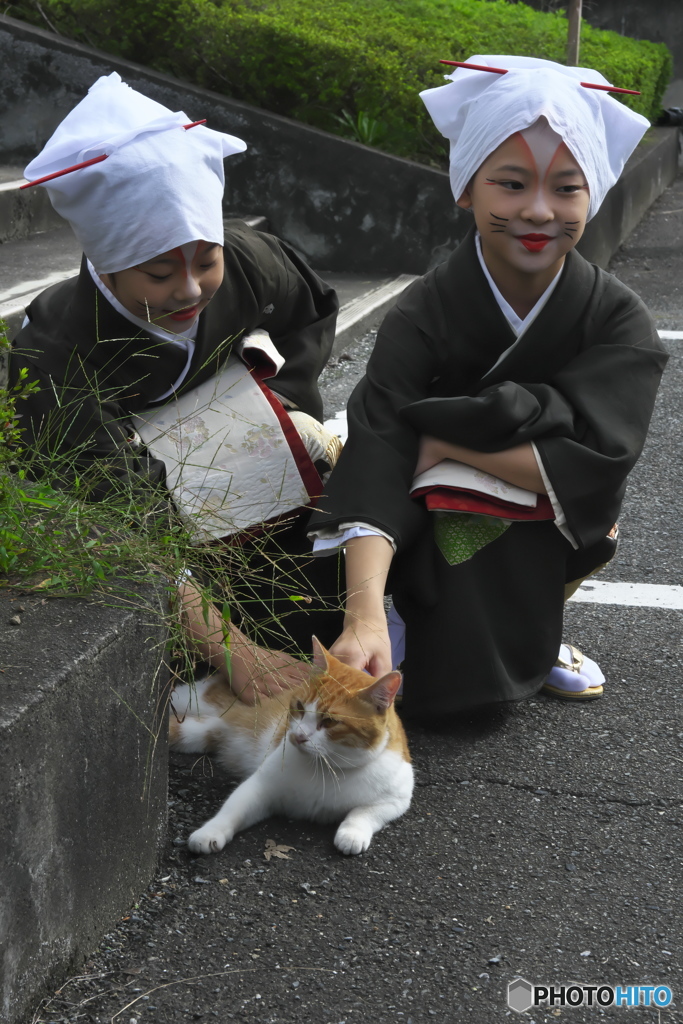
(543, 840)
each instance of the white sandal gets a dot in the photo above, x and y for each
(574, 676)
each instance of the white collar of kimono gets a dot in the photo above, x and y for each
(257, 340)
(154, 330)
(478, 110)
(185, 341)
(518, 325)
(159, 188)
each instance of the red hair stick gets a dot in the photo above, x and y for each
(474, 67)
(504, 71)
(87, 163)
(610, 88)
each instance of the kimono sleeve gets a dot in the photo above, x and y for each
(371, 481)
(301, 326)
(611, 387)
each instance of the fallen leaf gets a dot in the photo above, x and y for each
(274, 850)
(222, 881)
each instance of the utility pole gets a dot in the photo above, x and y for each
(573, 32)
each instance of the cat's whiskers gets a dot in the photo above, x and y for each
(330, 767)
(323, 761)
(340, 757)
(319, 770)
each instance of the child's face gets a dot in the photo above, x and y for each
(530, 202)
(172, 289)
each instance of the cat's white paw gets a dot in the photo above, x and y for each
(352, 839)
(208, 839)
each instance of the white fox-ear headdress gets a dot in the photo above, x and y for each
(482, 106)
(133, 178)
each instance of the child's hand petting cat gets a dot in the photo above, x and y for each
(365, 645)
(257, 672)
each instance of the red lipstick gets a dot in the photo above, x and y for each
(535, 243)
(185, 314)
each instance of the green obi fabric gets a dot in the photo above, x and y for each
(459, 535)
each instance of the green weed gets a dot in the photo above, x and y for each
(362, 127)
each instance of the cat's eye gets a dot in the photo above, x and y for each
(299, 706)
(326, 722)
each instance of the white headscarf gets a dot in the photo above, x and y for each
(478, 110)
(160, 186)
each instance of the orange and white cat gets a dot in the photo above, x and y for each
(332, 748)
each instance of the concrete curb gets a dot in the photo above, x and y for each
(23, 213)
(366, 312)
(82, 781)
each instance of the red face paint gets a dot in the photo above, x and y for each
(187, 254)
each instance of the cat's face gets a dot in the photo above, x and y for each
(342, 717)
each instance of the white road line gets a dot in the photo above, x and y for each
(11, 186)
(671, 335)
(366, 304)
(633, 595)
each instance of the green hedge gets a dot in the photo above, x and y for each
(350, 66)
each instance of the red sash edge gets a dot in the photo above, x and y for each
(451, 499)
(304, 463)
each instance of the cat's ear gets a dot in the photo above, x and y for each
(320, 656)
(383, 691)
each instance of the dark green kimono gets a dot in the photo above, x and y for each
(95, 369)
(580, 382)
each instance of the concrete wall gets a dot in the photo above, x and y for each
(82, 783)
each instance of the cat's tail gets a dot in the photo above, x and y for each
(194, 726)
